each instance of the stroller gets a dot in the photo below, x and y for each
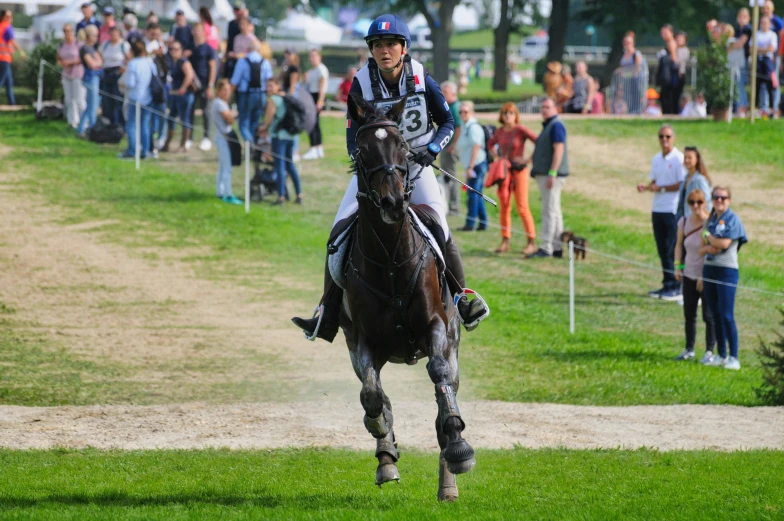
(265, 179)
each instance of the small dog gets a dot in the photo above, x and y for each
(580, 243)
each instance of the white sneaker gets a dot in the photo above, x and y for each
(732, 363)
(161, 143)
(296, 157)
(320, 151)
(717, 361)
(205, 144)
(310, 155)
(707, 358)
(189, 144)
(686, 355)
(154, 153)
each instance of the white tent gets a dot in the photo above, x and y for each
(464, 18)
(185, 6)
(71, 13)
(314, 29)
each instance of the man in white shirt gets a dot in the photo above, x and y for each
(667, 174)
(696, 108)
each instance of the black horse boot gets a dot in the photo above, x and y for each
(471, 312)
(326, 323)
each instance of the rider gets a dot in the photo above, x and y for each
(389, 75)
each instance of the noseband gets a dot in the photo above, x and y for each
(387, 169)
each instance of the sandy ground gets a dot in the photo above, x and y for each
(146, 308)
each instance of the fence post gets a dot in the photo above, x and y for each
(732, 94)
(138, 136)
(247, 176)
(40, 85)
(571, 287)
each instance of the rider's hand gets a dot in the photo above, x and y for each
(425, 158)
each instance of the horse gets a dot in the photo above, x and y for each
(397, 306)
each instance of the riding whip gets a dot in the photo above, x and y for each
(486, 198)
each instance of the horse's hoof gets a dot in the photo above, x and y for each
(448, 495)
(387, 472)
(459, 456)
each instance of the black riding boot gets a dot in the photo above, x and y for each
(470, 311)
(330, 313)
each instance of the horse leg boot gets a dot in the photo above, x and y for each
(329, 309)
(447, 483)
(378, 420)
(471, 311)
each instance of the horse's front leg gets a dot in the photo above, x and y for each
(443, 371)
(378, 412)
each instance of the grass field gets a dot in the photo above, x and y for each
(621, 354)
(330, 485)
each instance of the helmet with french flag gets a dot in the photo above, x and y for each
(388, 26)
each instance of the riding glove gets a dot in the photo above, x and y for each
(425, 158)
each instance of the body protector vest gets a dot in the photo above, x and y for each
(416, 126)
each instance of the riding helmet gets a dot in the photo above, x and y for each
(389, 26)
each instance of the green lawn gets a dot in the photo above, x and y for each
(483, 38)
(621, 354)
(330, 485)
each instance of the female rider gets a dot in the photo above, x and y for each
(390, 75)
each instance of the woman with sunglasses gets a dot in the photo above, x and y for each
(511, 138)
(723, 236)
(688, 269)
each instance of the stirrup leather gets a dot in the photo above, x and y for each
(473, 324)
(320, 312)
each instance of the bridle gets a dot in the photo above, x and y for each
(387, 169)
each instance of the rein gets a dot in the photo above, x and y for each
(388, 169)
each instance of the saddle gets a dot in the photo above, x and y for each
(425, 221)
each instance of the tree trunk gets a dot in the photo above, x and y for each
(559, 21)
(613, 60)
(501, 44)
(440, 31)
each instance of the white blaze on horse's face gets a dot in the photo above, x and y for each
(381, 134)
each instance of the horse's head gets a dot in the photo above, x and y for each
(382, 171)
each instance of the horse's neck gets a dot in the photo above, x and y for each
(377, 236)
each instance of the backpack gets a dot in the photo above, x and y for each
(255, 74)
(293, 120)
(488, 131)
(157, 89)
(104, 131)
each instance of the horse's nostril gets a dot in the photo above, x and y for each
(387, 202)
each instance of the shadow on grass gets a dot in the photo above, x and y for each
(587, 355)
(188, 196)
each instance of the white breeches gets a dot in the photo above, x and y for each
(426, 192)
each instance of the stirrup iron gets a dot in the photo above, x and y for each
(320, 312)
(473, 324)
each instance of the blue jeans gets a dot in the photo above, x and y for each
(90, 113)
(157, 122)
(283, 149)
(180, 107)
(112, 102)
(7, 79)
(721, 299)
(741, 79)
(476, 205)
(130, 129)
(250, 105)
(765, 101)
(223, 182)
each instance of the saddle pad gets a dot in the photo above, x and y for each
(430, 239)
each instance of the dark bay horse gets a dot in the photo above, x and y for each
(396, 307)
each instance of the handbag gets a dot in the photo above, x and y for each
(497, 173)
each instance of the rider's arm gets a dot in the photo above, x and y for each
(439, 111)
(351, 126)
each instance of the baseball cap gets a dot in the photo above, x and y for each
(87, 4)
(239, 4)
(290, 50)
(179, 12)
(108, 10)
(652, 94)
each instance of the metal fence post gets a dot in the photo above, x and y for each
(40, 86)
(138, 136)
(247, 176)
(571, 287)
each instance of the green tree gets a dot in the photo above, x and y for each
(439, 19)
(510, 19)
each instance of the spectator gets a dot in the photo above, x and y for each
(630, 66)
(107, 25)
(689, 265)
(317, 80)
(250, 80)
(290, 74)
(131, 26)
(450, 158)
(667, 174)
(7, 47)
(631, 60)
(222, 119)
(551, 168)
(553, 79)
(73, 70)
(767, 44)
(463, 73)
(113, 52)
(510, 139)
(182, 32)
(697, 178)
(739, 59)
(152, 18)
(345, 85)
(138, 78)
(723, 237)
(205, 65)
(246, 41)
(210, 29)
(282, 141)
(180, 97)
(653, 109)
(566, 90)
(667, 77)
(231, 32)
(156, 51)
(88, 11)
(776, 25)
(471, 147)
(93, 63)
(584, 91)
(696, 108)
(153, 40)
(682, 53)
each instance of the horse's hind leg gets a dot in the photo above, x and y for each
(378, 414)
(443, 371)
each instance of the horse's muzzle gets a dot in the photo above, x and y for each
(393, 209)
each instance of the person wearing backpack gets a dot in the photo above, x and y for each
(249, 78)
(138, 79)
(471, 147)
(275, 125)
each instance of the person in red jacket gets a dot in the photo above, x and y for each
(345, 85)
(7, 47)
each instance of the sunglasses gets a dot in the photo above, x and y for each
(665, 136)
(720, 197)
(463, 112)
(508, 113)
(698, 203)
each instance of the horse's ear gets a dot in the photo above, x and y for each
(395, 112)
(358, 107)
